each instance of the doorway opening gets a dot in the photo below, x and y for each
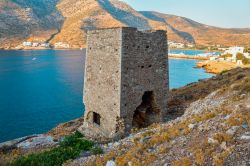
(147, 112)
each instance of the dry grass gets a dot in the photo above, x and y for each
(160, 139)
(199, 157)
(204, 117)
(182, 162)
(139, 154)
(219, 158)
(222, 137)
(239, 118)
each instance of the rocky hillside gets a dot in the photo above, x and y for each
(207, 124)
(189, 30)
(35, 20)
(68, 20)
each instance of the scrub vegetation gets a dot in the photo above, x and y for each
(70, 148)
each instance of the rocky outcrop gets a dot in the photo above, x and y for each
(212, 129)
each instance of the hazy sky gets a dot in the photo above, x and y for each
(222, 13)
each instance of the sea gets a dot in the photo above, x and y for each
(43, 88)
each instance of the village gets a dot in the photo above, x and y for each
(215, 59)
(231, 58)
(236, 55)
(42, 45)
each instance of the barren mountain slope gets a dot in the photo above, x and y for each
(22, 20)
(103, 14)
(200, 33)
(68, 20)
(81, 16)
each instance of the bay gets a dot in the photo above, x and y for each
(40, 89)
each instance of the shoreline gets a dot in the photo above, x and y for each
(216, 67)
(195, 57)
(40, 49)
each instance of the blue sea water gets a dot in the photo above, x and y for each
(40, 89)
(190, 52)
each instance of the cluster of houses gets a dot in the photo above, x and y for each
(46, 45)
(36, 44)
(232, 52)
(173, 44)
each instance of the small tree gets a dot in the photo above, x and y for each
(247, 49)
(245, 60)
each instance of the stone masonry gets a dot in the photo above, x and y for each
(126, 80)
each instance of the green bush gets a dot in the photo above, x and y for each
(247, 49)
(245, 60)
(69, 148)
(96, 150)
(225, 56)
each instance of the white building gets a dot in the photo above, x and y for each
(172, 44)
(247, 55)
(35, 44)
(61, 45)
(212, 58)
(27, 44)
(222, 49)
(45, 45)
(190, 45)
(234, 51)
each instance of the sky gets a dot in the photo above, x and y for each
(221, 13)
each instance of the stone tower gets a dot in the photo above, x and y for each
(126, 80)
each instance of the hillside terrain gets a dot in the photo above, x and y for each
(67, 21)
(207, 124)
(21, 20)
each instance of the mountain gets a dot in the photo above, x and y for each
(28, 19)
(198, 33)
(68, 21)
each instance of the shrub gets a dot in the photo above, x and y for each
(69, 148)
(243, 86)
(247, 49)
(222, 137)
(245, 60)
(223, 72)
(226, 56)
(96, 150)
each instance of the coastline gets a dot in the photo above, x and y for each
(213, 67)
(216, 67)
(177, 56)
(39, 48)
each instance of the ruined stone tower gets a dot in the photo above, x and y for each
(126, 80)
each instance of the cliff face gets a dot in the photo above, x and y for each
(67, 21)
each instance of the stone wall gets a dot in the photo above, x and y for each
(144, 68)
(102, 77)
